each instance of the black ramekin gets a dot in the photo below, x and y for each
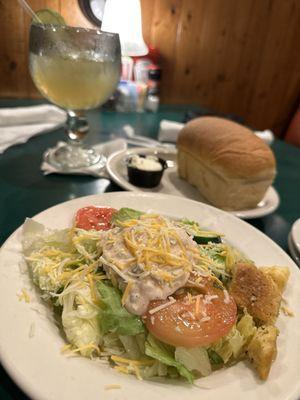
(146, 179)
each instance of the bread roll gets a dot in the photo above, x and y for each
(231, 167)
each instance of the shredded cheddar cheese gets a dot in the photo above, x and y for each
(287, 311)
(197, 306)
(72, 350)
(113, 386)
(123, 360)
(24, 296)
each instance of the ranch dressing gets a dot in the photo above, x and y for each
(145, 285)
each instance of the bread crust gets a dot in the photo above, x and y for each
(232, 150)
(222, 192)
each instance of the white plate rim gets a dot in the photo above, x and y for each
(272, 203)
(118, 196)
(293, 250)
(295, 235)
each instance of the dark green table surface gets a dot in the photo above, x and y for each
(25, 191)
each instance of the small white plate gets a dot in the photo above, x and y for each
(293, 250)
(172, 184)
(295, 236)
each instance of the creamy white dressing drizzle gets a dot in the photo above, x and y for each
(147, 285)
(145, 290)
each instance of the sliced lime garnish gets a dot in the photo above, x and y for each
(49, 17)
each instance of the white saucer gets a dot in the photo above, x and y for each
(295, 235)
(172, 184)
(293, 250)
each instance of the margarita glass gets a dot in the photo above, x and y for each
(77, 69)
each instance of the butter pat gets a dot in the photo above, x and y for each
(148, 163)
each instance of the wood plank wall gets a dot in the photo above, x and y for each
(233, 56)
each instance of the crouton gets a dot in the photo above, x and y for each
(262, 350)
(255, 291)
(279, 275)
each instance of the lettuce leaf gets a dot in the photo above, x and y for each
(80, 322)
(125, 213)
(246, 327)
(229, 346)
(131, 346)
(36, 235)
(165, 354)
(214, 357)
(113, 316)
(195, 359)
(112, 344)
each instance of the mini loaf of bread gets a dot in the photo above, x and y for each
(231, 167)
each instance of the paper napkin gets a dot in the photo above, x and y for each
(18, 124)
(169, 131)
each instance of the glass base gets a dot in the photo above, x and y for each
(69, 157)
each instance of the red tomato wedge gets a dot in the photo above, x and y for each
(193, 320)
(98, 218)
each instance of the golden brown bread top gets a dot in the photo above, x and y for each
(254, 290)
(228, 147)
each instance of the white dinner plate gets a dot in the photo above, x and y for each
(30, 342)
(172, 184)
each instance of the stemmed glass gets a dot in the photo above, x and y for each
(77, 69)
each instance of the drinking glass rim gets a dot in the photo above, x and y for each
(76, 29)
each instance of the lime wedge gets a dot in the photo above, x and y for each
(49, 17)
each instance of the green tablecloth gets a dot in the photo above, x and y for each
(24, 191)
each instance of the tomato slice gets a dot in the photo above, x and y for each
(98, 218)
(193, 320)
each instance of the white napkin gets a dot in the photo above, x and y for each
(106, 149)
(19, 124)
(169, 131)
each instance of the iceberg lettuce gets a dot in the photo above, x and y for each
(113, 316)
(165, 354)
(195, 359)
(80, 319)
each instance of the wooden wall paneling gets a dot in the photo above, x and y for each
(73, 14)
(147, 7)
(202, 50)
(164, 36)
(234, 56)
(248, 31)
(14, 44)
(280, 61)
(189, 52)
(229, 83)
(289, 103)
(218, 18)
(12, 50)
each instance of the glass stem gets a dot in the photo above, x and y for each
(77, 127)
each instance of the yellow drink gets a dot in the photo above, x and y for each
(77, 69)
(74, 83)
